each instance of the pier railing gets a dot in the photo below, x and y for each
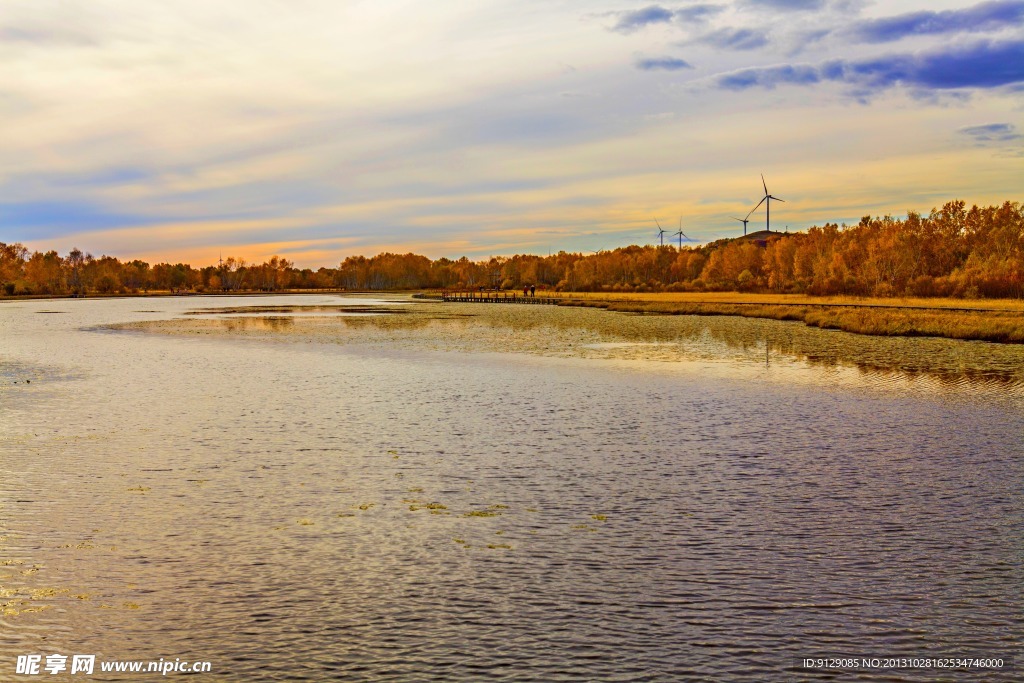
(499, 296)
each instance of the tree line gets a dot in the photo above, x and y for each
(953, 251)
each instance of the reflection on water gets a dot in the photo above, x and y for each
(377, 510)
(350, 309)
(262, 323)
(797, 352)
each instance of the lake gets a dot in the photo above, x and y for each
(383, 489)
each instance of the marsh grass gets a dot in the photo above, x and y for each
(793, 299)
(994, 321)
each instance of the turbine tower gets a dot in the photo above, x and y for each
(744, 221)
(681, 235)
(661, 233)
(768, 207)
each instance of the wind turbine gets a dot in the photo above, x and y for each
(768, 208)
(681, 234)
(661, 233)
(744, 221)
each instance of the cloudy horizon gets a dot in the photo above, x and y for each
(316, 130)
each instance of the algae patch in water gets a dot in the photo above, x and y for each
(428, 506)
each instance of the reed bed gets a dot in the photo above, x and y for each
(994, 321)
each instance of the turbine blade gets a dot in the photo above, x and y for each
(764, 184)
(758, 204)
(776, 198)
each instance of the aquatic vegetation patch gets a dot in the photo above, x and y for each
(428, 506)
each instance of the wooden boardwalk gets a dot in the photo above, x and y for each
(496, 297)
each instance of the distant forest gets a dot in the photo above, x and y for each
(954, 251)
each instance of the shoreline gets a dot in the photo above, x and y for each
(162, 294)
(998, 321)
(996, 325)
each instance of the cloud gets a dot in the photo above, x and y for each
(630, 22)
(987, 16)
(638, 19)
(663, 63)
(736, 39)
(45, 36)
(28, 220)
(798, 5)
(769, 77)
(697, 13)
(981, 65)
(992, 132)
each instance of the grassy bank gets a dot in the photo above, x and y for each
(986, 320)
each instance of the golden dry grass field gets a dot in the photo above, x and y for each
(995, 320)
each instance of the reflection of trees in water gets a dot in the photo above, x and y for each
(394, 322)
(256, 323)
(949, 362)
(950, 379)
(381, 310)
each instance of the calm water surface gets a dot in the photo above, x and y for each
(294, 509)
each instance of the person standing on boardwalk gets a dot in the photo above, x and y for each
(526, 290)
(533, 290)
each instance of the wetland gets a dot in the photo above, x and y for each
(351, 488)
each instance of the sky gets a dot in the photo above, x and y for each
(321, 129)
